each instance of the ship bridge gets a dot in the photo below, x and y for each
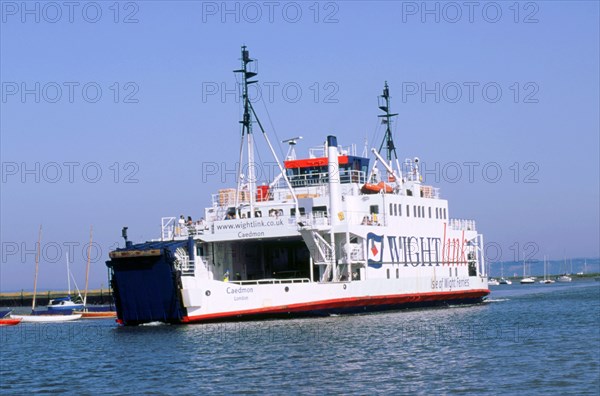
(313, 171)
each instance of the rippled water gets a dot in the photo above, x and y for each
(527, 339)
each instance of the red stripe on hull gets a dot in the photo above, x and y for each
(351, 302)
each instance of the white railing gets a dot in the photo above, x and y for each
(430, 192)
(170, 228)
(462, 225)
(167, 227)
(271, 281)
(314, 179)
(313, 219)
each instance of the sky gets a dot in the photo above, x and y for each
(116, 114)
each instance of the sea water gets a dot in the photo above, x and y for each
(526, 339)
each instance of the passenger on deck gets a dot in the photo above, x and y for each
(180, 225)
(189, 221)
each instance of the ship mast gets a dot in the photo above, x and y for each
(246, 122)
(247, 127)
(388, 140)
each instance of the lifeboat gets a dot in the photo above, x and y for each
(370, 188)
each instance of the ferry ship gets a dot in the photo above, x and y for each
(329, 235)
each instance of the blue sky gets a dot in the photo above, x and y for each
(528, 107)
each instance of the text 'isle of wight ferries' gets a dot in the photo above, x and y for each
(449, 283)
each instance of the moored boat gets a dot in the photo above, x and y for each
(9, 322)
(96, 314)
(309, 242)
(526, 279)
(36, 316)
(546, 280)
(46, 318)
(63, 304)
(564, 278)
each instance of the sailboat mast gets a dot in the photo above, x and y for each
(37, 265)
(68, 276)
(87, 269)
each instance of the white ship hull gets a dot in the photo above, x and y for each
(237, 301)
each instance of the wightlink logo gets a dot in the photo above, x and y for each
(413, 250)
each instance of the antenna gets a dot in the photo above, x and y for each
(292, 142)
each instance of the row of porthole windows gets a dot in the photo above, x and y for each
(398, 272)
(418, 211)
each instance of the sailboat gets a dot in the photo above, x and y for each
(65, 304)
(492, 281)
(526, 280)
(85, 312)
(564, 278)
(546, 280)
(37, 317)
(503, 280)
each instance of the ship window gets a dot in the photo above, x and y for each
(456, 271)
(450, 271)
(407, 211)
(302, 211)
(415, 211)
(319, 210)
(437, 213)
(374, 209)
(395, 209)
(397, 273)
(400, 210)
(429, 210)
(392, 209)
(199, 250)
(444, 213)
(388, 273)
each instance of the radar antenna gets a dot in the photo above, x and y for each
(292, 142)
